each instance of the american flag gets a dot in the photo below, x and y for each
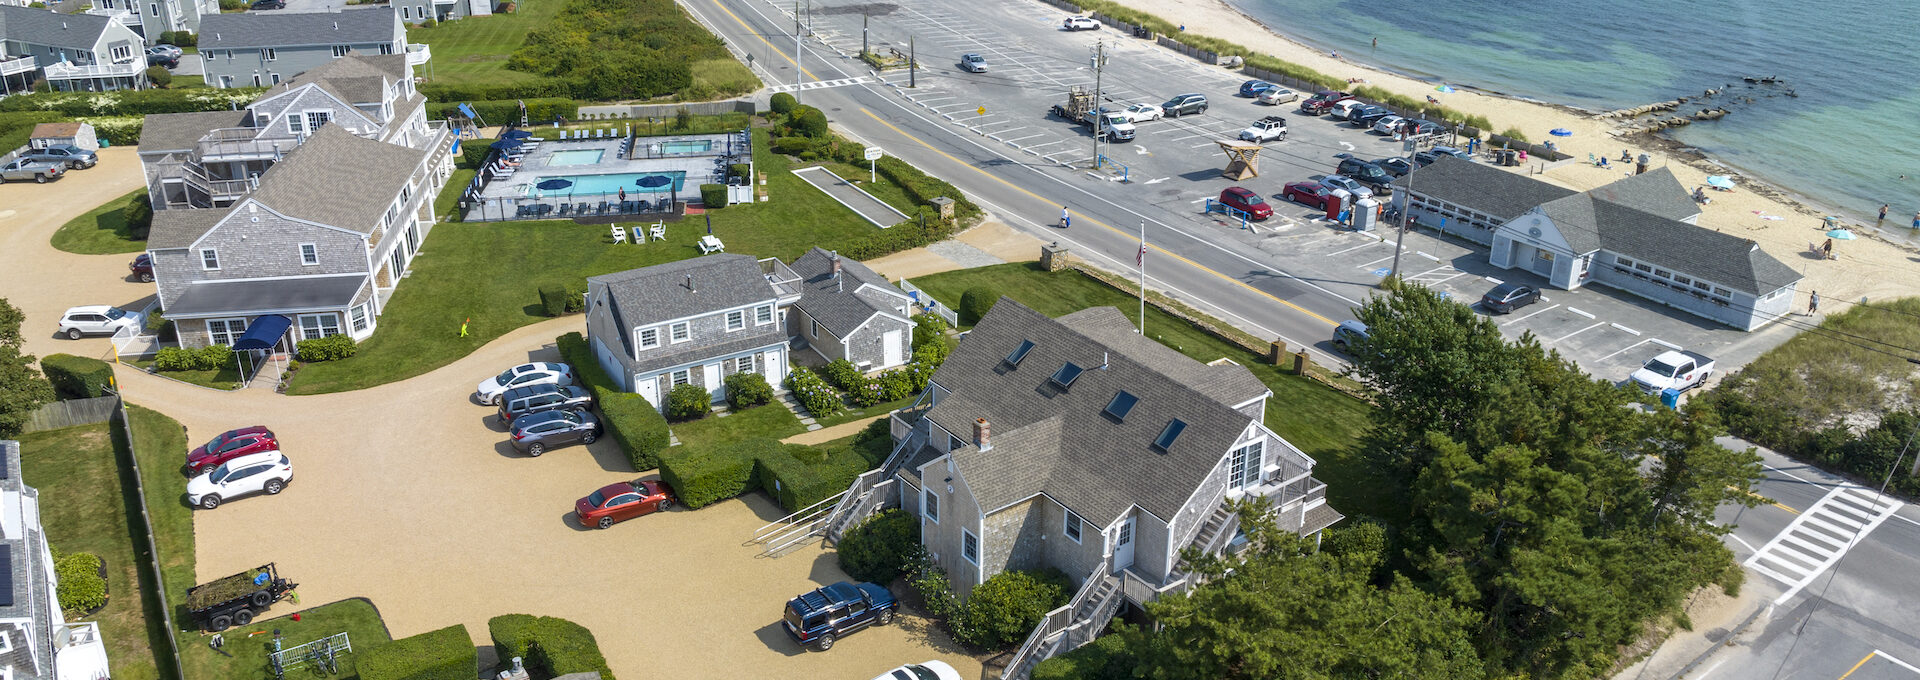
(1140, 260)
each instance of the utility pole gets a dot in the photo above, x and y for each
(863, 35)
(1099, 121)
(913, 68)
(1142, 259)
(1406, 213)
(796, 48)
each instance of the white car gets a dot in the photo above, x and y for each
(925, 670)
(1140, 113)
(1387, 125)
(537, 373)
(1357, 189)
(1078, 23)
(266, 472)
(1266, 129)
(96, 320)
(1276, 95)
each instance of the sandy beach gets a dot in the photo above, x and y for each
(1867, 267)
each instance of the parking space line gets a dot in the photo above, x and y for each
(1492, 280)
(1016, 139)
(1628, 330)
(1427, 255)
(1583, 330)
(1370, 265)
(1368, 244)
(1576, 310)
(1628, 348)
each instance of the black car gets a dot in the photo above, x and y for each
(1507, 297)
(1366, 117)
(268, 4)
(534, 434)
(521, 401)
(163, 60)
(1396, 166)
(1425, 158)
(1368, 174)
(1184, 104)
(819, 617)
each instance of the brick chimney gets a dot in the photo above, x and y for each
(982, 434)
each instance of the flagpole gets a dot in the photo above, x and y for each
(1141, 259)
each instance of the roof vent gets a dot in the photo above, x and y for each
(336, 25)
(1121, 405)
(1167, 436)
(1068, 373)
(690, 283)
(1013, 358)
(63, 25)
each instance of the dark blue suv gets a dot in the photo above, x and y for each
(822, 616)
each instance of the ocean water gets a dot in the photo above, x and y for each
(1843, 142)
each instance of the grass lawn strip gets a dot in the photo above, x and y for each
(102, 231)
(227, 378)
(474, 50)
(162, 448)
(356, 617)
(85, 506)
(772, 421)
(853, 413)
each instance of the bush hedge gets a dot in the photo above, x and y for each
(688, 402)
(628, 418)
(551, 646)
(117, 130)
(81, 588)
(132, 102)
(445, 654)
(17, 127)
(138, 214)
(1004, 609)
(820, 472)
(553, 300)
(704, 476)
(1106, 658)
(529, 88)
(713, 196)
(792, 146)
(782, 103)
(329, 348)
(882, 548)
(605, 50)
(209, 358)
(159, 75)
(815, 394)
(874, 443)
(796, 476)
(77, 377)
(503, 111)
(179, 38)
(808, 121)
(474, 152)
(975, 302)
(842, 374)
(746, 390)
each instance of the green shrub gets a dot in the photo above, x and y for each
(842, 374)
(81, 588)
(713, 196)
(576, 297)
(874, 443)
(1515, 134)
(741, 170)
(882, 548)
(809, 121)
(1480, 122)
(815, 394)
(928, 327)
(117, 130)
(922, 188)
(746, 390)
(792, 146)
(688, 402)
(551, 646)
(628, 418)
(173, 359)
(704, 476)
(782, 103)
(917, 374)
(975, 303)
(430, 23)
(138, 214)
(212, 357)
(179, 38)
(17, 126)
(132, 102)
(1004, 609)
(330, 348)
(159, 75)
(160, 325)
(233, 5)
(553, 300)
(445, 654)
(1106, 658)
(798, 476)
(907, 235)
(473, 153)
(77, 377)
(501, 111)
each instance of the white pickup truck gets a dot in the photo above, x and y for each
(1680, 370)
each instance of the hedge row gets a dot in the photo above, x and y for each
(922, 187)
(815, 394)
(209, 358)
(795, 475)
(563, 299)
(536, 88)
(629, 418)
(550, 646)
(503, 111)
(328, 348)
(77, 377)
(445, 654)
(132, 102)
(473, 152)
(117, 130)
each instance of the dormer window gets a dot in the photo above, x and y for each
(1167, 436)
(1068, 373)
(1013, 359)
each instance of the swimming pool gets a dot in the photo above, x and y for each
(612, 184)
(576, 157)
(687, 146)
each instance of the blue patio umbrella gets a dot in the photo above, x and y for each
(1841, 234)
(653, 181)
(551, 184)
(1720, 182)
(1560, 132)
(710, 225)
(1445, 88)
(504, 144)
(516, 134)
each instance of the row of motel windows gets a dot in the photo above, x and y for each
(1456, 215)
(1674, 280)
(268, 53)
(312, 326)
(683, 331)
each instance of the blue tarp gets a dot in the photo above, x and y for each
(263, 333)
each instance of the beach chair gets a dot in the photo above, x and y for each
(642, 206)
(619, 235)
(657, 232)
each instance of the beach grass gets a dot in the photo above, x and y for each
(101, 231)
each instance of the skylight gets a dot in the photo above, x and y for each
(1019, 352)
(1067, 374)
(1174, 428)
(1122, 404)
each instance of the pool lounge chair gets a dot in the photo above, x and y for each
(565, 208)
(658, 232)
(602, 210)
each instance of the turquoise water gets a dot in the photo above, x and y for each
(576, 157)
(695, 146)
(1843, 142)
(612, 184)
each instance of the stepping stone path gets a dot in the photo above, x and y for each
(801, 411)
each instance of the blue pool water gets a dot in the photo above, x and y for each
(612, 184)
(694, 146)
(576, 157)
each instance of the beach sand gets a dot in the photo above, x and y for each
(1868, 267)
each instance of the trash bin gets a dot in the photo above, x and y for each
(1670, 398)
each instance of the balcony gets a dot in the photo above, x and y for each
(18, 65)
(69, 71)
(786, 284)
(236, 144)
(125, 17)
(84, 655)
(418, 54)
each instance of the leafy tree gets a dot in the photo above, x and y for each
(22, 388)
(159, 76)
(10, 320)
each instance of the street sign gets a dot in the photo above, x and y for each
(874, 153)
(981, 111)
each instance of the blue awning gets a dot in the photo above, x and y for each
(263, 333)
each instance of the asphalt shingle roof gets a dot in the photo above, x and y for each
(836, 304)
(46, 27)
(355, 79)
(1059, 441)
(1725, 259)
(1504, 195)
(55, 130)
(180, 227)
(330, 179)
(650, 295)
(180, 131)
(252, 30)
(272, 295)
(1655, 191)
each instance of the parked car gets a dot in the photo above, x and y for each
(234, 600)
(169, 51)
(1307, 193)
(229, 445)
(1368, 174)
(623, 501)
(1348, 334)
(1340, 109)
(267, 4)
(1276, 95)
(1184, 104)
(1141, 113)
(1246, 200)
(821, 616)
(1357, 189)
(973, 62)
(536, 373)
(1396, 166)
(534, 434)
(1387, 125)
(530, 399)
(1080, 23)
(1323, 102)
(1680, 370)
(68, 155)
(266, 472)
(142, 267)
(26, 169)
(1364, 117)
(96, 320)
(1424, 127)
(1253, 88)
(162, 60)
(925, 670)
(1268, 129)
(1507, 297)
(1425, 158)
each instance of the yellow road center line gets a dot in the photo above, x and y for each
(763, 39)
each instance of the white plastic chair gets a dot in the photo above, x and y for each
(658, 231)
(619, 235)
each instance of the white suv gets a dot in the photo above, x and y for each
(265, 472)
(96, 319)
(537, 373)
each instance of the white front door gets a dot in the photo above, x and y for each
(712, 380)
(890, 349)
(1123, 546)
(649, 388)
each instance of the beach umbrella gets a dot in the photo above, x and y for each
(516, 134)
(653, 181)
(1720, 182)
(1560, 132)
(551, 184)
(504, 144)
(1841, 234)
(1445, 88)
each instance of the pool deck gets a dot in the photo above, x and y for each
(537, 165)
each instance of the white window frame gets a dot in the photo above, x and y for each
(321, 325)
(739, 314)
(643, 334)
(275, 77)
(405, 13)
(1245, 462)
(930, 506)
(681, 377)
(967, 538)
(325, 116)
(359, 317)
(209, 254)
(763, 311)
(296, 123)
(267, 54)
(1072, 526)
(341, 51)
(680, 332)
(309, 254)
(229, 332)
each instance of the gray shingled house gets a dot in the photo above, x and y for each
(691, 322)
(1635, 234)
(32, 643)
(160, 16)
(78, 52)
(846, 311)
(1078, 444)
(251, 49)
(323, 241)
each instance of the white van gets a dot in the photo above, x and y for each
(1342, 108)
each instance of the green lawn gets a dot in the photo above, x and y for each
(248, 660)
(474, 50)
(227, 378)
(771, 420)
(852, 413)
(490, 273)
(162, 447)
(1323, 422)
(85, 506)
(102, 231)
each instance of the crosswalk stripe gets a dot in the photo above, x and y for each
(819, 84)
(1817, 538)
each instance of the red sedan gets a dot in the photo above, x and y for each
(1306, 193)
(231, 445)
(625, 500)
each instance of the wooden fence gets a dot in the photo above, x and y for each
(72, 412)
(117, 410)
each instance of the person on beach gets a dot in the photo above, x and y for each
(1883, 212)
(1826, 249)
(1336, 55)
(1916, 220)
(1813, 304)
(1376, 42)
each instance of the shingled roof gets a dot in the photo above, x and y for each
(181, 131)
(46, 27)
(252, 30)
(1504, 195)
(844, 304)
(325, 179)
(180, 227)
(651, 295)
(1059, 441)
(1655, 191)
(1620, 218)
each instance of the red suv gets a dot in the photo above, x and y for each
(231, 445)
(1322, 102)
(1247, 201)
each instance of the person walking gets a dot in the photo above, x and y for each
(1065, 218)
(1916, 220)
(1826, 250)
(1813, 304)
(1883, 212)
